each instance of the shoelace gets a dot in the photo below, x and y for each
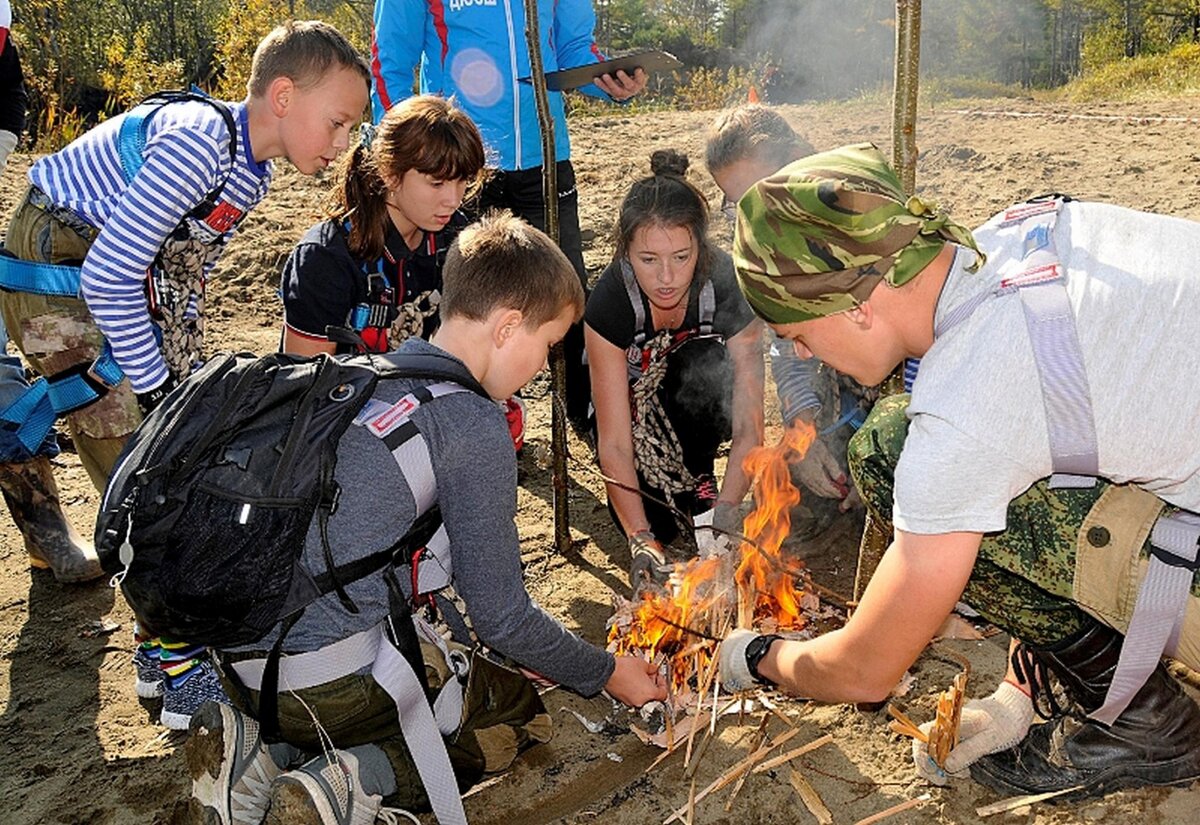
(392, 816)
(1031, 671)
(706, 488)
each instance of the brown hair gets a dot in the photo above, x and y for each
(305, 51)
(666, 198)
(426, 133)
(754, 131)
(503, 262)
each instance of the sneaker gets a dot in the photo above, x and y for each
(184, 694)
(147, 661)
(230, 767)
(324, 791)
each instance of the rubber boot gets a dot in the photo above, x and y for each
(1156, 741)
(32, 498)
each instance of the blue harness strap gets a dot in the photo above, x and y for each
(38, 278)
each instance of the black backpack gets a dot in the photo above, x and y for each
(205, 516)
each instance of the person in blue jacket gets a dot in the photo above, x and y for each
(476, 51)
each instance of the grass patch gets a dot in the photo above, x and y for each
(1169, 74)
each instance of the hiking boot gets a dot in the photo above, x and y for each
(50, 540)
(324, 791)
(147, 662)
(184, 694)
(1155, 741)
(230, 767)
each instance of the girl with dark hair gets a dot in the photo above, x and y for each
(677, 368)
(369, 276)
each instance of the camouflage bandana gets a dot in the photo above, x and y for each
(815, 238)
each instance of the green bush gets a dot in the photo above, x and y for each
(1174, 73)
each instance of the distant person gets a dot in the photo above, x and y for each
(677, 370)
(510, 294)
(1045, 469)
(122, 320)
(26, 477)
(477, 52)
(745, 145)
(374, 267)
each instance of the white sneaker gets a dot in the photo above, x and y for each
(324, 791)
(230, 767)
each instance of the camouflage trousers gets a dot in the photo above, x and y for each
(56, 333)
(1023, 580)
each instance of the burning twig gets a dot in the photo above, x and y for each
(810, 798)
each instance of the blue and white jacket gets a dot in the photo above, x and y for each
(475, 50)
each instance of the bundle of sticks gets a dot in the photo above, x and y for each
(943, 735)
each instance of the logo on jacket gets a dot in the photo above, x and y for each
(458, 5)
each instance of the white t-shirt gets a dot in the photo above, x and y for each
(977, 437)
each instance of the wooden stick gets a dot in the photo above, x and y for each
(810, 798)
(759, 737)
(733, 773)
(1014, 802)
(703, 689)
(905, 726)
(690, 770)
(691, 808)
(661, 758)
(895, 809)
(792, 754)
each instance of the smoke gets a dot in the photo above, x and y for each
(836, 49)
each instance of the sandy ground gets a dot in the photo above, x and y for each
(79, 747)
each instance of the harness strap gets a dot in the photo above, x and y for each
(38, 278)
(706, 305)
(1158, 613)
(32, 413)
(1050, 321)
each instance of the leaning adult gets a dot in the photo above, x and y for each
(1045, 469)
(478, 54)
(677, 370)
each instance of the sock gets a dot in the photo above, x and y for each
(374, 770)
(180, 659)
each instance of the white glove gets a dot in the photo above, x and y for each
(988, 725)
(8, 142)
(819, 471)
(726, 519)
(735, 673)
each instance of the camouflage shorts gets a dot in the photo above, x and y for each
(1023, 577)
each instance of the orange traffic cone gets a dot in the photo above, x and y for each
(752, 97)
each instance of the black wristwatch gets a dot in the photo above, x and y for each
(755, 651)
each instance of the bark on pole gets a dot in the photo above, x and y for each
(876, 536)
(558, 366)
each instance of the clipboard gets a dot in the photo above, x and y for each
(653, 60)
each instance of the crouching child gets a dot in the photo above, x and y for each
(349, 741)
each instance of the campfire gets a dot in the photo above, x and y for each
(752, 586)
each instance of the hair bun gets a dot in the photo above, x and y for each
(669, 162)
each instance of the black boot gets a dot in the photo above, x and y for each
(1155, 741)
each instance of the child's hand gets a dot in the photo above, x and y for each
(635, 682)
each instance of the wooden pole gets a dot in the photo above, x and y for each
(558, 364)
(904, 94)
(876, 536)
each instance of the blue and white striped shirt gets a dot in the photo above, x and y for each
(186, 157)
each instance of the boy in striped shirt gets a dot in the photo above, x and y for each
(143, 205)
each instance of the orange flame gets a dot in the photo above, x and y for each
(752, 585)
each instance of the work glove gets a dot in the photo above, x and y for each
(648, 566)
(726, 519)
(988, 725)
(820, 472)
(150, 399)
(741, 652)
(8, 142)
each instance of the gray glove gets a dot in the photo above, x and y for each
(648, 566)
(735, 671)
(987, 725)
(821, 472)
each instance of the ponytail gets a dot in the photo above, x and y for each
(359, 196)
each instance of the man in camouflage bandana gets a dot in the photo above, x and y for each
(832, 254)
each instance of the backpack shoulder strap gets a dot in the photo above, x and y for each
(428, 365)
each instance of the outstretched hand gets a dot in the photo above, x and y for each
(621, 86)
(820, 471)
(635, 682)
(988, 725)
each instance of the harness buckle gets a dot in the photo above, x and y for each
(1176, 560)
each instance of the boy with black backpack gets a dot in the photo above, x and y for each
(334, 687)
(116, 236)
